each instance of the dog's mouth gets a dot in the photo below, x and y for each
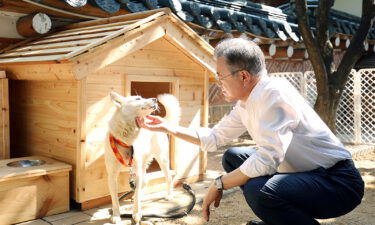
(150, 108)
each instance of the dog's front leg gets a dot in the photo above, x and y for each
(137, 213)
(113, 189)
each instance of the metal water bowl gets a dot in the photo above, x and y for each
(26, 163)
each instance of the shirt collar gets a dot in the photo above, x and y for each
(256, 90)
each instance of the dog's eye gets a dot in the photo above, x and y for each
(138, 98)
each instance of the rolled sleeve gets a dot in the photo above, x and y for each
(207, 139)
(226, 130)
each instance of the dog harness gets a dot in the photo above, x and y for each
(113, 141)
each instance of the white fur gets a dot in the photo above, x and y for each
(147, 145)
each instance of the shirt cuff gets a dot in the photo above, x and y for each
(252, 167)
(207, 139)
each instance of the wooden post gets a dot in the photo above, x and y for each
(204, 121)
(4, 118)
(357, 107)
(34, 24)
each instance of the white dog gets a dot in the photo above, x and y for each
(123, 133)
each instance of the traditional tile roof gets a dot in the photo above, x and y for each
(237, 15)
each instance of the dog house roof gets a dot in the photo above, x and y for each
(79, 44)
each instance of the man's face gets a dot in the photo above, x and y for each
(230, 82)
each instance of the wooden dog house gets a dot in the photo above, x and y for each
(59, 86)
(4, 117)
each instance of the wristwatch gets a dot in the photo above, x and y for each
(219, 183)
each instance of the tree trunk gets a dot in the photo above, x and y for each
(331, 82)
(327, 105)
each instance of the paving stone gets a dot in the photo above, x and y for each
(34, 222)
(81, 217)
(62, 215)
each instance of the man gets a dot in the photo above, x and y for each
(300, 171)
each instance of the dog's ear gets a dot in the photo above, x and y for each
(116, 99)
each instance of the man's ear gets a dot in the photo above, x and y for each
(246, 76)
(116, 99)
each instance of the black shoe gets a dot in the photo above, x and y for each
(253, 222)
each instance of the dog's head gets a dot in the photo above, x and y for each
(134, 106)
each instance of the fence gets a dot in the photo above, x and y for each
(356, 113)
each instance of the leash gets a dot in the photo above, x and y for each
(170, 214)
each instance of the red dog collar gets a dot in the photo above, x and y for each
(113, 141)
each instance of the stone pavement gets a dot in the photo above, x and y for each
(153, 203)
(101, 214)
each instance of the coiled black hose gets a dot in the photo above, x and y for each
(169, 214)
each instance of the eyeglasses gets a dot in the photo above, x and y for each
(219, 79)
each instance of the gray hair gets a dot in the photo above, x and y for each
(240, 53)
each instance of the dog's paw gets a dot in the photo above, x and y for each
(116, 219)
(137, 217)
(169, 197)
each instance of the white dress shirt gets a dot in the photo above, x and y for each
(289, 134)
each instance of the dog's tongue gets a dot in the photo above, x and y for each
(153, 120)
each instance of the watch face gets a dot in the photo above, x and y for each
(218, 183)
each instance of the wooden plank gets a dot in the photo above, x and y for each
(5, 42)
(31, 46)
(80, 185)
(107, 76)
(115, 19)
(116, 49)
(202, 44)
(159, 15)
(121, 68)
(4, 118)
(54, 130)
(193, 48)
(93, 29)
(97, 92)
(33, 198)
(39, 52)
(39, 146)
(46, 91)
(75, 38)
(161, 59)
(191, 92)
(161, 45)
(204, 121)
(49, 58)
(64, 110)
(41, 125)
(34, 192)
(38, 71)
(8, 173)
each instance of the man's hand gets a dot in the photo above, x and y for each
(153, 123)
(212, 195)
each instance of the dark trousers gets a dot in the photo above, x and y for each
(299, 198)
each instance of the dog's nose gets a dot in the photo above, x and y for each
(154, 100)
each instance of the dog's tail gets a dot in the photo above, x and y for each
(172, 108)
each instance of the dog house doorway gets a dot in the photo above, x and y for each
(151, 89)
